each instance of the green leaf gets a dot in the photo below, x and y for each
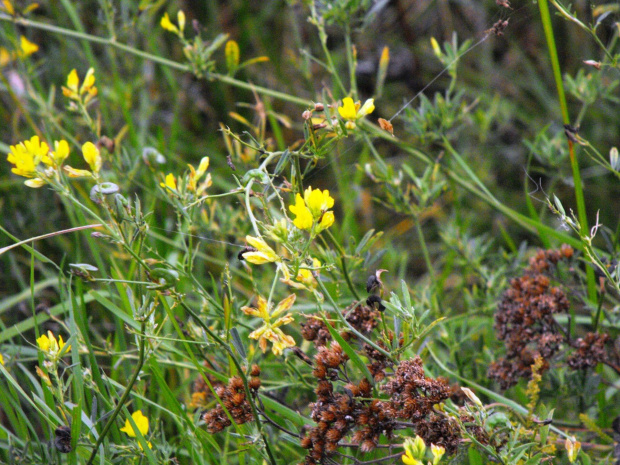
(357, 361)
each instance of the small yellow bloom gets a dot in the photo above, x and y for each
(196, 174)
(170, 182)
(44, 343)
(141, 422)
(167, 24)
(304, 279)
(48, 343)
(1, 359)
(26, 156)
(75, 173)
(303, 215)
(414, 451)
(92, 156)
(27, 47)
(181, 20)
(5, 57)
(438, 452)
(572, 448)
(73, 89)
(326, 221)
(348, 109)
(351, 111)
(318, 202)
(263, 254)
(61, 153)
(8, 7)
(35, 183)
(313, 207)
(271, 331)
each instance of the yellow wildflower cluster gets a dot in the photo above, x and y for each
(169, 26)
(171, 185)
(28, 155)
(351, 111)
(74, 91)
(270, 330)
(141, 422)
(52, 347)
(415, 449)
(311, 210)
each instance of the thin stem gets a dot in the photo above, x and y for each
(343, 263)
(244, 378)
(125, 396)
(156, 59)
(557, 73)
(351, 328)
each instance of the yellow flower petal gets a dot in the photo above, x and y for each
(326, 221)
(1, 359)
(75, 173)
(264, 253)
(89, 81)
(27, 47)
(141, 422)
(35, 183)
(44, 343)
(92, 156)
(73, 81)
(170, 183)
(367, 108)
(303, 215)
(181, 20)
(202, 167)
(167, 24)
(284, 305)
(347, 110)
(62, 151)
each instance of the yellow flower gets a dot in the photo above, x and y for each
(61, 153)
(8, 7)
(414, 451)
(317, 201)
(26, 156)
(167, 24)
(1, 359)
(304, 279)
(313, 206)
(44, 343)
(438, 452)
(92, 156)
(263, 254)
(27, 47)
(181, 20)
(170, 183)
(141, 422)
(48, 343)
(195, 175)
(572, 448)
(73, 89)
(270, 331)
(75, 173)
(303, 215)
(351, 111)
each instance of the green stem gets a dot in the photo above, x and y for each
(248, 394)
(121, 403)
(343, 263)
(351, 328)
(156, 59)
(422, 241)
(557, 74)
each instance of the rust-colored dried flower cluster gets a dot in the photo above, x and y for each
(524, 318)
(525, 322)
(233, 398)
(354, 412)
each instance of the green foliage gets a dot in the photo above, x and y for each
(227, 250)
